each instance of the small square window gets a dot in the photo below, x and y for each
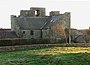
(23, 32)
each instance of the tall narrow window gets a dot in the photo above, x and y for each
(37, 12)
(32, 32)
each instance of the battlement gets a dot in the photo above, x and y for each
(34, 11)
(54, 13)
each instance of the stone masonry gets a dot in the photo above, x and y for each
(34, 24)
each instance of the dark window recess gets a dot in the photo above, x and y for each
(41, 33)
(32, 32)
(23, 32)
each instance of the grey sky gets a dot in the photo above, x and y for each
(80, 10)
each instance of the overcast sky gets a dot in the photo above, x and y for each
(80, 10)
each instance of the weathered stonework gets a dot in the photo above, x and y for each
(34, 24)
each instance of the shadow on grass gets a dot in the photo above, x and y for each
(35, 59)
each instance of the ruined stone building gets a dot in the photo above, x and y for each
(80, 36)
(34, 24)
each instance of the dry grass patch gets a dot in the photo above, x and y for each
(58, 50)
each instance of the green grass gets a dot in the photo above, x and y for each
(47, 56)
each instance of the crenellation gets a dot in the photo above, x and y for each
(54, 13)
(33, 12)
(38, 11)
(25, 13)
(13, 16)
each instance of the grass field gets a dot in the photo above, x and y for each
(47, 56)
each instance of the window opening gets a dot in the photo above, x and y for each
(32, 32)
(23, 32)
(37, 12)
(26, 13)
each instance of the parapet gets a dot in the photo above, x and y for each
(54, 13)
(24, 12)
(67, 13)
(38, 11)
(34, 11)
(13, 16)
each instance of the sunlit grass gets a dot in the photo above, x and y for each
(58, 50)
(47, 56)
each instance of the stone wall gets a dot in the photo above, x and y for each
(14, 25)
(83, 39)
(54, 13)
(26, 34)
(38, 46)
(33, 12)
(18, 41)
(67, 19)
(39, 11)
